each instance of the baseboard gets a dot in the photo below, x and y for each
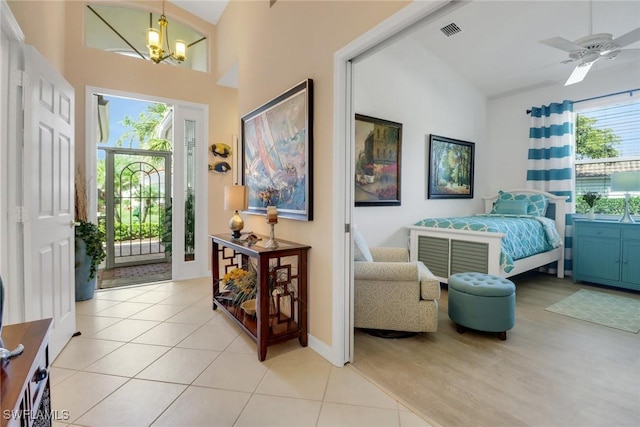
(325, 351)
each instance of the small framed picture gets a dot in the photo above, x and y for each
(378, 144)
(450, 168)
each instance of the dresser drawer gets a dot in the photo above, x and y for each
(597, 230)
(631, 232)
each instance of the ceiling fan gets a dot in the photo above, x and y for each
(588, 50)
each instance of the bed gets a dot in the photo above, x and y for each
(483, 246)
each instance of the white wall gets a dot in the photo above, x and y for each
(508, 124)
(404, 83)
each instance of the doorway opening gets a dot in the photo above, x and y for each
(158, 183)
(133, 185)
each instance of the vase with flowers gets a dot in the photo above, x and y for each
(241, 283)
(591, 198)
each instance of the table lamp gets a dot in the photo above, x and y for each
(626, 182)
(236, 198)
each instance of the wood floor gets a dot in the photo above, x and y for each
(551, 371)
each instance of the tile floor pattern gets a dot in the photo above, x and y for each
(158, 355)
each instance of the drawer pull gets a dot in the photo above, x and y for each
(40, 374)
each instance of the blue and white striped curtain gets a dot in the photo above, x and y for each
(551, 159)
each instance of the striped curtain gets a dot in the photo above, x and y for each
(551, 158)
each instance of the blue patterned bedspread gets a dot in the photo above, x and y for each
(525, 235)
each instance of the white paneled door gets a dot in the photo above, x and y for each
(48, 183)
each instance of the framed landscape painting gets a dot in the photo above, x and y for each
(277, 149)
(450, 168)
(377, 162)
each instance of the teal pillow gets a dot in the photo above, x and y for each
(512, 207)
(537, 203)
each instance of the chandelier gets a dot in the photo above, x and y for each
(155, 40)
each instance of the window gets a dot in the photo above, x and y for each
(607, 141)
(107, 25)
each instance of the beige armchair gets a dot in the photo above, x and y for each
(392, 293)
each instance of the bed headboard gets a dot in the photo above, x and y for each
(557, 209)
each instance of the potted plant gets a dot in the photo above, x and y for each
(591, 198)
(89, 252)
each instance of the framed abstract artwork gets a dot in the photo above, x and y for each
(378, 146)
(450, 168)
(277, 154)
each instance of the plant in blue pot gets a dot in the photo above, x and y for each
(89, 253)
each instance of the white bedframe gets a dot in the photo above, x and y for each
(478, 239)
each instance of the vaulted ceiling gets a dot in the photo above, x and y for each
(498, 48)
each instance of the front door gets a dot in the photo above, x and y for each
(49, 202)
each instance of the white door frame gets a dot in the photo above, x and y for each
(11, 242)
(200, 112)
(398, 25)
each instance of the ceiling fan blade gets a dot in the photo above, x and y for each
(627, 39)
(579, 73)
(629, 54)
(562, 44)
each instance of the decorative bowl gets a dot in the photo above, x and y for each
(249, 307)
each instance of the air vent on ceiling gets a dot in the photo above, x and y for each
(450, 29)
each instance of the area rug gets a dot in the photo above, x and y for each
(601, 308)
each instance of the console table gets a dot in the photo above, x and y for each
(25, 396)
(281, 284)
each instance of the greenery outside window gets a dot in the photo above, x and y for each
(607, 141)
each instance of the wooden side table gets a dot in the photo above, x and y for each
(281, 298)
(25, 393)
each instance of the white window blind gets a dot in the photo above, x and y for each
(618, 115)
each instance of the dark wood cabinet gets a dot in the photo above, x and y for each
(25, 398)
(281, 284)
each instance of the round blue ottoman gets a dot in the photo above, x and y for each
(482, 302)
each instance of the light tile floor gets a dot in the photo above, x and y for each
(159, 355)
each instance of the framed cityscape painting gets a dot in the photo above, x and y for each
(378, 146)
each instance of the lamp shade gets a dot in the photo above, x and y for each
(153, 38)
(236, 197)
(625, 181)
(181, 50)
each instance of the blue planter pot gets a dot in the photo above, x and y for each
(85, 287)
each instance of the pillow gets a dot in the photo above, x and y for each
(361, 250)
(537, 203)
(511, 207)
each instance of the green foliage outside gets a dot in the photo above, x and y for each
(143, 129)
(594, 143)
(134, 230)
(149, 222)
(609, 206)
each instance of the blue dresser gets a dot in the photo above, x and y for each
(607, 252)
